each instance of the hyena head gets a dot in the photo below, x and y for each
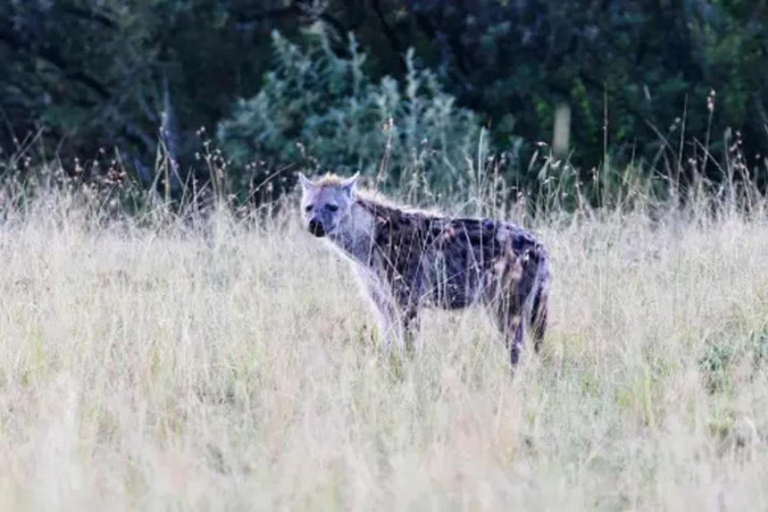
(326, 203)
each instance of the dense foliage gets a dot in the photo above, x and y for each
(326, 112)
(655, 84)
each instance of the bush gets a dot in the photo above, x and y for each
(324, 112)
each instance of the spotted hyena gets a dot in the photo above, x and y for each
(408, 259)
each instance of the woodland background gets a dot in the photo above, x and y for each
(670, 92)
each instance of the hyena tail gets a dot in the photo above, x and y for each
(539, 310)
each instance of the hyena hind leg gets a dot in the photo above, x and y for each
(411, 325)
(510, 323)
(539, 314)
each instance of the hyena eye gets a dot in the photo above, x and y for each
(308, 208)
(331, 207)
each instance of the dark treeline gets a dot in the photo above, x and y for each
(124, 77)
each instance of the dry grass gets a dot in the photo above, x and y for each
(153, 369)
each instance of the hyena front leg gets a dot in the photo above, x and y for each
(390, 318)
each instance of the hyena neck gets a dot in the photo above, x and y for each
(356, 234)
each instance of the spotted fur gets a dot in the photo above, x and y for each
(411, 259)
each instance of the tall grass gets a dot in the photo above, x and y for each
(148, 363)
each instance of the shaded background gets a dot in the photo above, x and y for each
(294, 83)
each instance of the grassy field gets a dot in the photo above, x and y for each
(237, 368)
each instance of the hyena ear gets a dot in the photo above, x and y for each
(350, 184)
(306, 184)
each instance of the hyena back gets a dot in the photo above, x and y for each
(410, 259)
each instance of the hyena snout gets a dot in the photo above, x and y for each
(316, 228)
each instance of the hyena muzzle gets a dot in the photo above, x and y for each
(409, 259)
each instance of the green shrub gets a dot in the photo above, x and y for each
(723, 355)
(323, 112)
